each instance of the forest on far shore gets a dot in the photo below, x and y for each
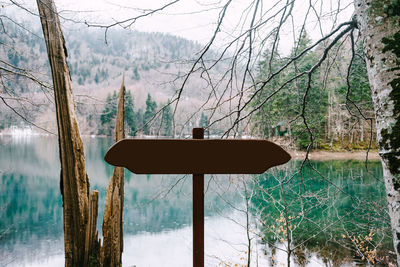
(338, 120)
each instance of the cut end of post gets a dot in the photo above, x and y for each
(198, 133)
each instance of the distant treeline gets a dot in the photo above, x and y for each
(136, 122)
(152, 121)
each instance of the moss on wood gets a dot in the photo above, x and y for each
(391, 137)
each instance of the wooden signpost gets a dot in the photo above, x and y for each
(196, 156)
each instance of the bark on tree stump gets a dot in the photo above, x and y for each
(112, 221)
(79, 206)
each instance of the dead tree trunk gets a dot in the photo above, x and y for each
(80, 208)
(112, 221)
(379, 24)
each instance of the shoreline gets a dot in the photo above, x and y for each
(320, 155)
(317, 155)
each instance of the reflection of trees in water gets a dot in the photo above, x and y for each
(30, 218)
(339, 215)
(30, 193)
(144, 214)
(32, 207)
(156, 203)
(29, 156)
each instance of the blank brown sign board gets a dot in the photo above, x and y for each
(188, 156)
(198, 157)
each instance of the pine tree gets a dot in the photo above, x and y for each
(96, 78)
(130, 116)
(316, 101)
(167, 119)
(273, 119)
(360, 91)
(108, 114)
(151, 107)
(136, 75)
(139, 119)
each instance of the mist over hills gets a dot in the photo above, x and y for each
(153, 63)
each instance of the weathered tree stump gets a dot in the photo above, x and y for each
(112, 221)
(82, 245)
(80, 208)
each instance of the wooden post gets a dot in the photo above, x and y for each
(198, 210)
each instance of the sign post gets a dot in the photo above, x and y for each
(197, 156)
(198, 210)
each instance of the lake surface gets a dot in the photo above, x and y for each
(334, 216)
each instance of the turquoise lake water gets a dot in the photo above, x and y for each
(324, 212)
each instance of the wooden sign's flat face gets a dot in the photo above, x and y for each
(208, 156)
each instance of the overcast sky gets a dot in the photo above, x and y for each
(192, 19)
(186, 18)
